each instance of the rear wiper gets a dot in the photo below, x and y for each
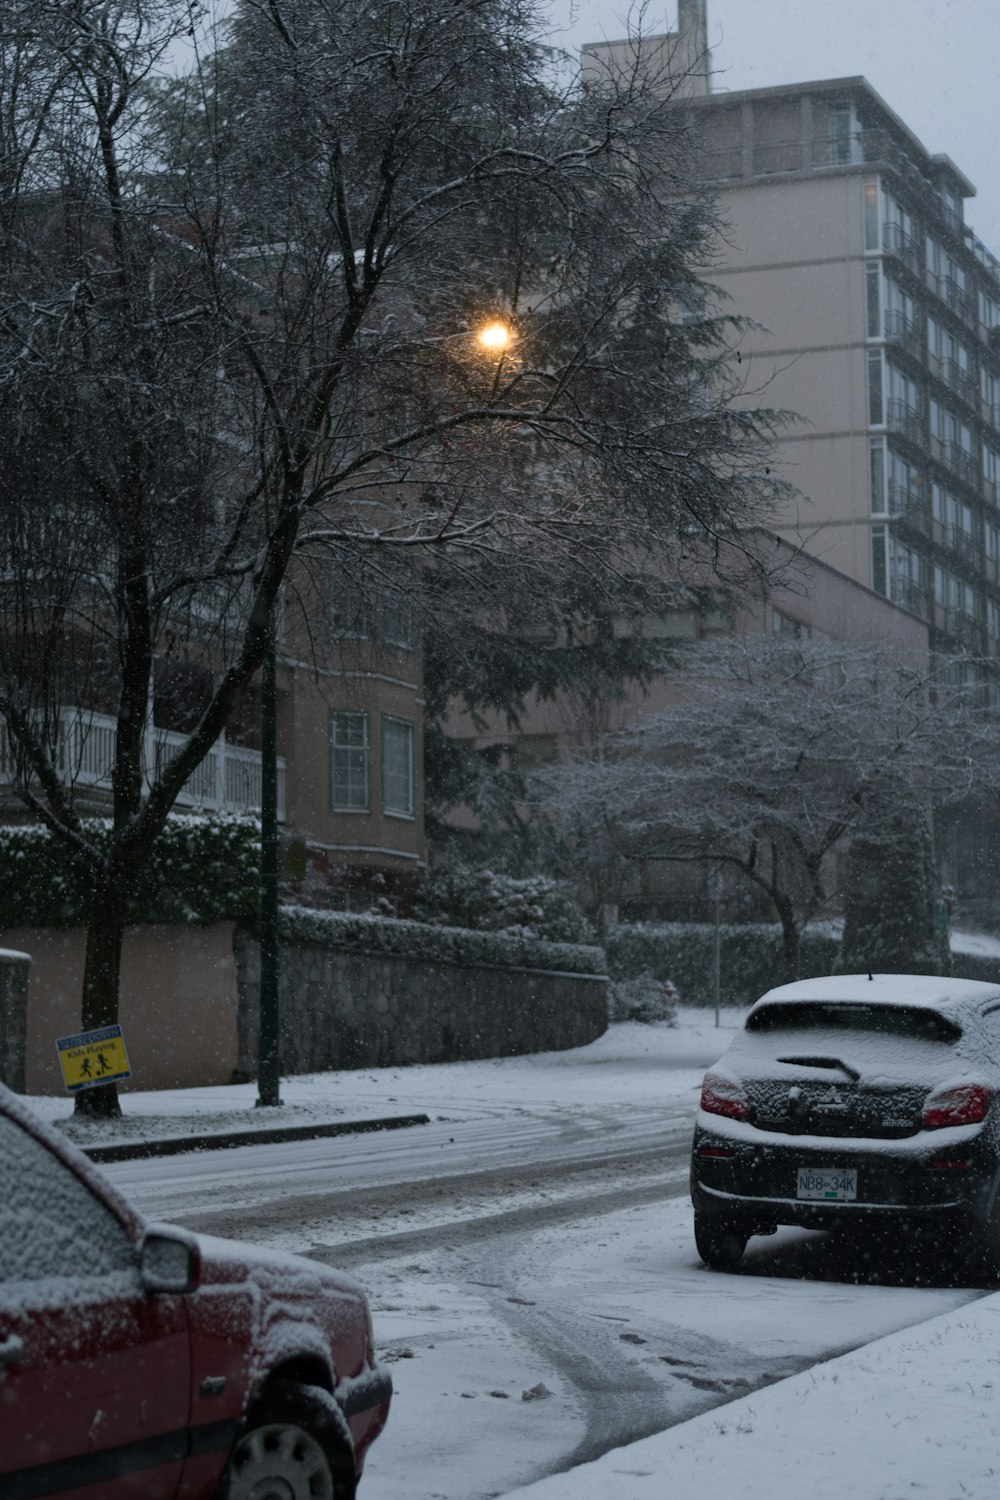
(824, 1062)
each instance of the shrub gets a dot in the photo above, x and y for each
(201, 869)
(643, 998)
(507, 949)
(458, 896)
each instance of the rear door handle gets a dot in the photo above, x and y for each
(10, 1350)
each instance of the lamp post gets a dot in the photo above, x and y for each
(269, 1041)
(715, 891)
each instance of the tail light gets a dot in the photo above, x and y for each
(958, 1104)
(723, 1096)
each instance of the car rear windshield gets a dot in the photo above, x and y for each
(881, 1020)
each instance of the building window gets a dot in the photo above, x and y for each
(877, 474)
(875, 414)
(397, 766)
(788, 626)
(871, 213)
(350, 762)
(397, 622)
(349, 610)
(880, 573)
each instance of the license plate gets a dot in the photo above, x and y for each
(828, 1184)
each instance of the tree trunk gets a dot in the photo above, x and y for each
(101, 977)
(790, 940)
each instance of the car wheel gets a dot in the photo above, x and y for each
(720, 1242)
(290, 1448)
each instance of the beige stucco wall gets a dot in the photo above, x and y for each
(796, 266)
(178, 1003)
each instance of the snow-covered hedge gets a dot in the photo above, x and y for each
(202, 869)
(484, 901)
(458, 945)
(684, 952)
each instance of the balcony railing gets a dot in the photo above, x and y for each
(227, 780)
(957, 298)
(964, 543)
(905, 501)
(962, 463)
(910, 595)
(901, 330)
(904, 419)
(897, 243)
(959, 380)
(961, 627)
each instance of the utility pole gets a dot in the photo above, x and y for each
(269, 1041)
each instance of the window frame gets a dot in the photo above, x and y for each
(362, 749)
(406, 807)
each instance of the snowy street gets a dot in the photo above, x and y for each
(529, 1255)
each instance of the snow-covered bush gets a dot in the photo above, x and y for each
(506, 949)
(750, 957)
(458, 896)
(643, 998)
(201, 869)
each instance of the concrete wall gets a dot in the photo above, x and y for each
(190, 998)
(178, 1003)
(354, 1010)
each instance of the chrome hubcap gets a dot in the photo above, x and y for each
(280, 1462)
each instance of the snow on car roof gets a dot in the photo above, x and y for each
(931, 990)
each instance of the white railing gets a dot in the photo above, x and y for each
(227, 780)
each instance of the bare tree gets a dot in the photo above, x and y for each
(774, 755)
(242, 323)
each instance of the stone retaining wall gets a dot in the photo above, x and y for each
(343, 1009)
(14, 969)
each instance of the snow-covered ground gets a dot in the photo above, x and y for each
(483, 1404)
(916, 1414)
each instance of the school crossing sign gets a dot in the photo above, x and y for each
(93, 1057)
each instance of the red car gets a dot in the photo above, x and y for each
(137, 1360)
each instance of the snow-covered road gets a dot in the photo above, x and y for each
(534, 1241)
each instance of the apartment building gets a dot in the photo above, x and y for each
(879, 316)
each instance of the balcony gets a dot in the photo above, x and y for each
(962, 628)
(906, 502)
(959, 380)
(965, 544)
(227, 780)
(909, 595)
(897, 243)
(905, 420)
(962, 463)
(958, 299)
(903, 332)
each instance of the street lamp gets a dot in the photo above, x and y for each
(269, 1039)
(495, 337)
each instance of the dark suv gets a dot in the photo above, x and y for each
(140, 1361)
(862, 1100)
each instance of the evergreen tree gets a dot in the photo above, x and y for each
(893, 909)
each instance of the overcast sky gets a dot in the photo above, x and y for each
(936, 65)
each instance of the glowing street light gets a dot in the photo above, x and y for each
(495, 337)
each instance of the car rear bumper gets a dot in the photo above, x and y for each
(756, 1180)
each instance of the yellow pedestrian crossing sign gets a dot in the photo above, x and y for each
(93, 1057)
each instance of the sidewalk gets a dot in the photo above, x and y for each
(916, 1414)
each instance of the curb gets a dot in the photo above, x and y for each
(172, 1145)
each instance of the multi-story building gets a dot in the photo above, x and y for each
(877, 316)
(873, 315)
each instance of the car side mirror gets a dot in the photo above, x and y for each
(169, 1261)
